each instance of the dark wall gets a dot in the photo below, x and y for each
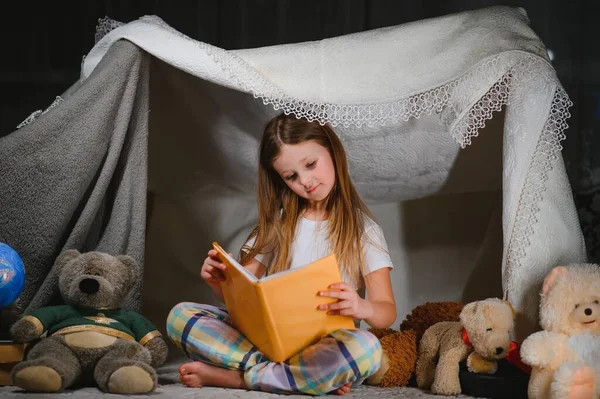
(47, 40)
(44, 43)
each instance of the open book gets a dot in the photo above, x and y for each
(279, 313)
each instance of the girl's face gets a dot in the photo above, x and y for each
(307, 169)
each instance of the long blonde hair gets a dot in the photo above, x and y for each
(279, 208)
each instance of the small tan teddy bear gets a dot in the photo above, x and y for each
(400, 347)
(565, 356)
(482, 336)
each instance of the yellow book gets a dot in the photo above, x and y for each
(279, 313)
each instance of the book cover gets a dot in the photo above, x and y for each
(10, 354)
(279, 313)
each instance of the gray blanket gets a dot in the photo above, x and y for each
(76, 176)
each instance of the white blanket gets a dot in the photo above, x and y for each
(407, 102)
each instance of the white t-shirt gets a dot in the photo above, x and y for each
(311, 244)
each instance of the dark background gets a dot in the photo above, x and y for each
(44, 43)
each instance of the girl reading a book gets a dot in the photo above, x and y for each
(307, 209)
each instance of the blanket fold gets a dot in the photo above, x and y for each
(76, 176)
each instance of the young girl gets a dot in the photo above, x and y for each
(307, 208)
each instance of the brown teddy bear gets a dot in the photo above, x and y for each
(90, 339)
(565, 356)
(400, 347)
(482, 336)
(399, 358)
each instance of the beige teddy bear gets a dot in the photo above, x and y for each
(565, 356)
(482, 336)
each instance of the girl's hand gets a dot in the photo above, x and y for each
(349, 302)
(212, 269)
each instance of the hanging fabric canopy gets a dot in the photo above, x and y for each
(153, 152)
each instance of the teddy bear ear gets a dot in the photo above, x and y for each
(65, 257)
(551, 278)
(470, 307)
(468, 311)
(131, 265)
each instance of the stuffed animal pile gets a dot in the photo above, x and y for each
(400, 347)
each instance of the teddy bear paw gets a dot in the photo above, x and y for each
(573, 381)
(130, 380)
(24, 330)
(38, 379)
(477, 364)
(446, 388)
(584, 384)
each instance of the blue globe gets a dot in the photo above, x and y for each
(12, 275)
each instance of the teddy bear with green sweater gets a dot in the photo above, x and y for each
(90, 339)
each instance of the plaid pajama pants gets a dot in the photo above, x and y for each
(204, 333)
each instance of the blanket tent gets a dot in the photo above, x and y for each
(452, 127)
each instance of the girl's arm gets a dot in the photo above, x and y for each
(380, 297)
(378, 310)
(256, 267)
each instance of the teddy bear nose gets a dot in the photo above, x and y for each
(588, 312)
(89, 286)
(499, 350)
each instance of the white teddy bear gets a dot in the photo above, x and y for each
(565, 356)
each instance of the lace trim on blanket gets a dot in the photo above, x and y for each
(247, 78)
(546, 153)
(104, 26)
(468, 127)
(34, 115)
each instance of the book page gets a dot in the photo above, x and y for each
(232, 262)
(294, 270)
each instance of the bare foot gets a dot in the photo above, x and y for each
(344, 389)
(584, 384)
(199, 374)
